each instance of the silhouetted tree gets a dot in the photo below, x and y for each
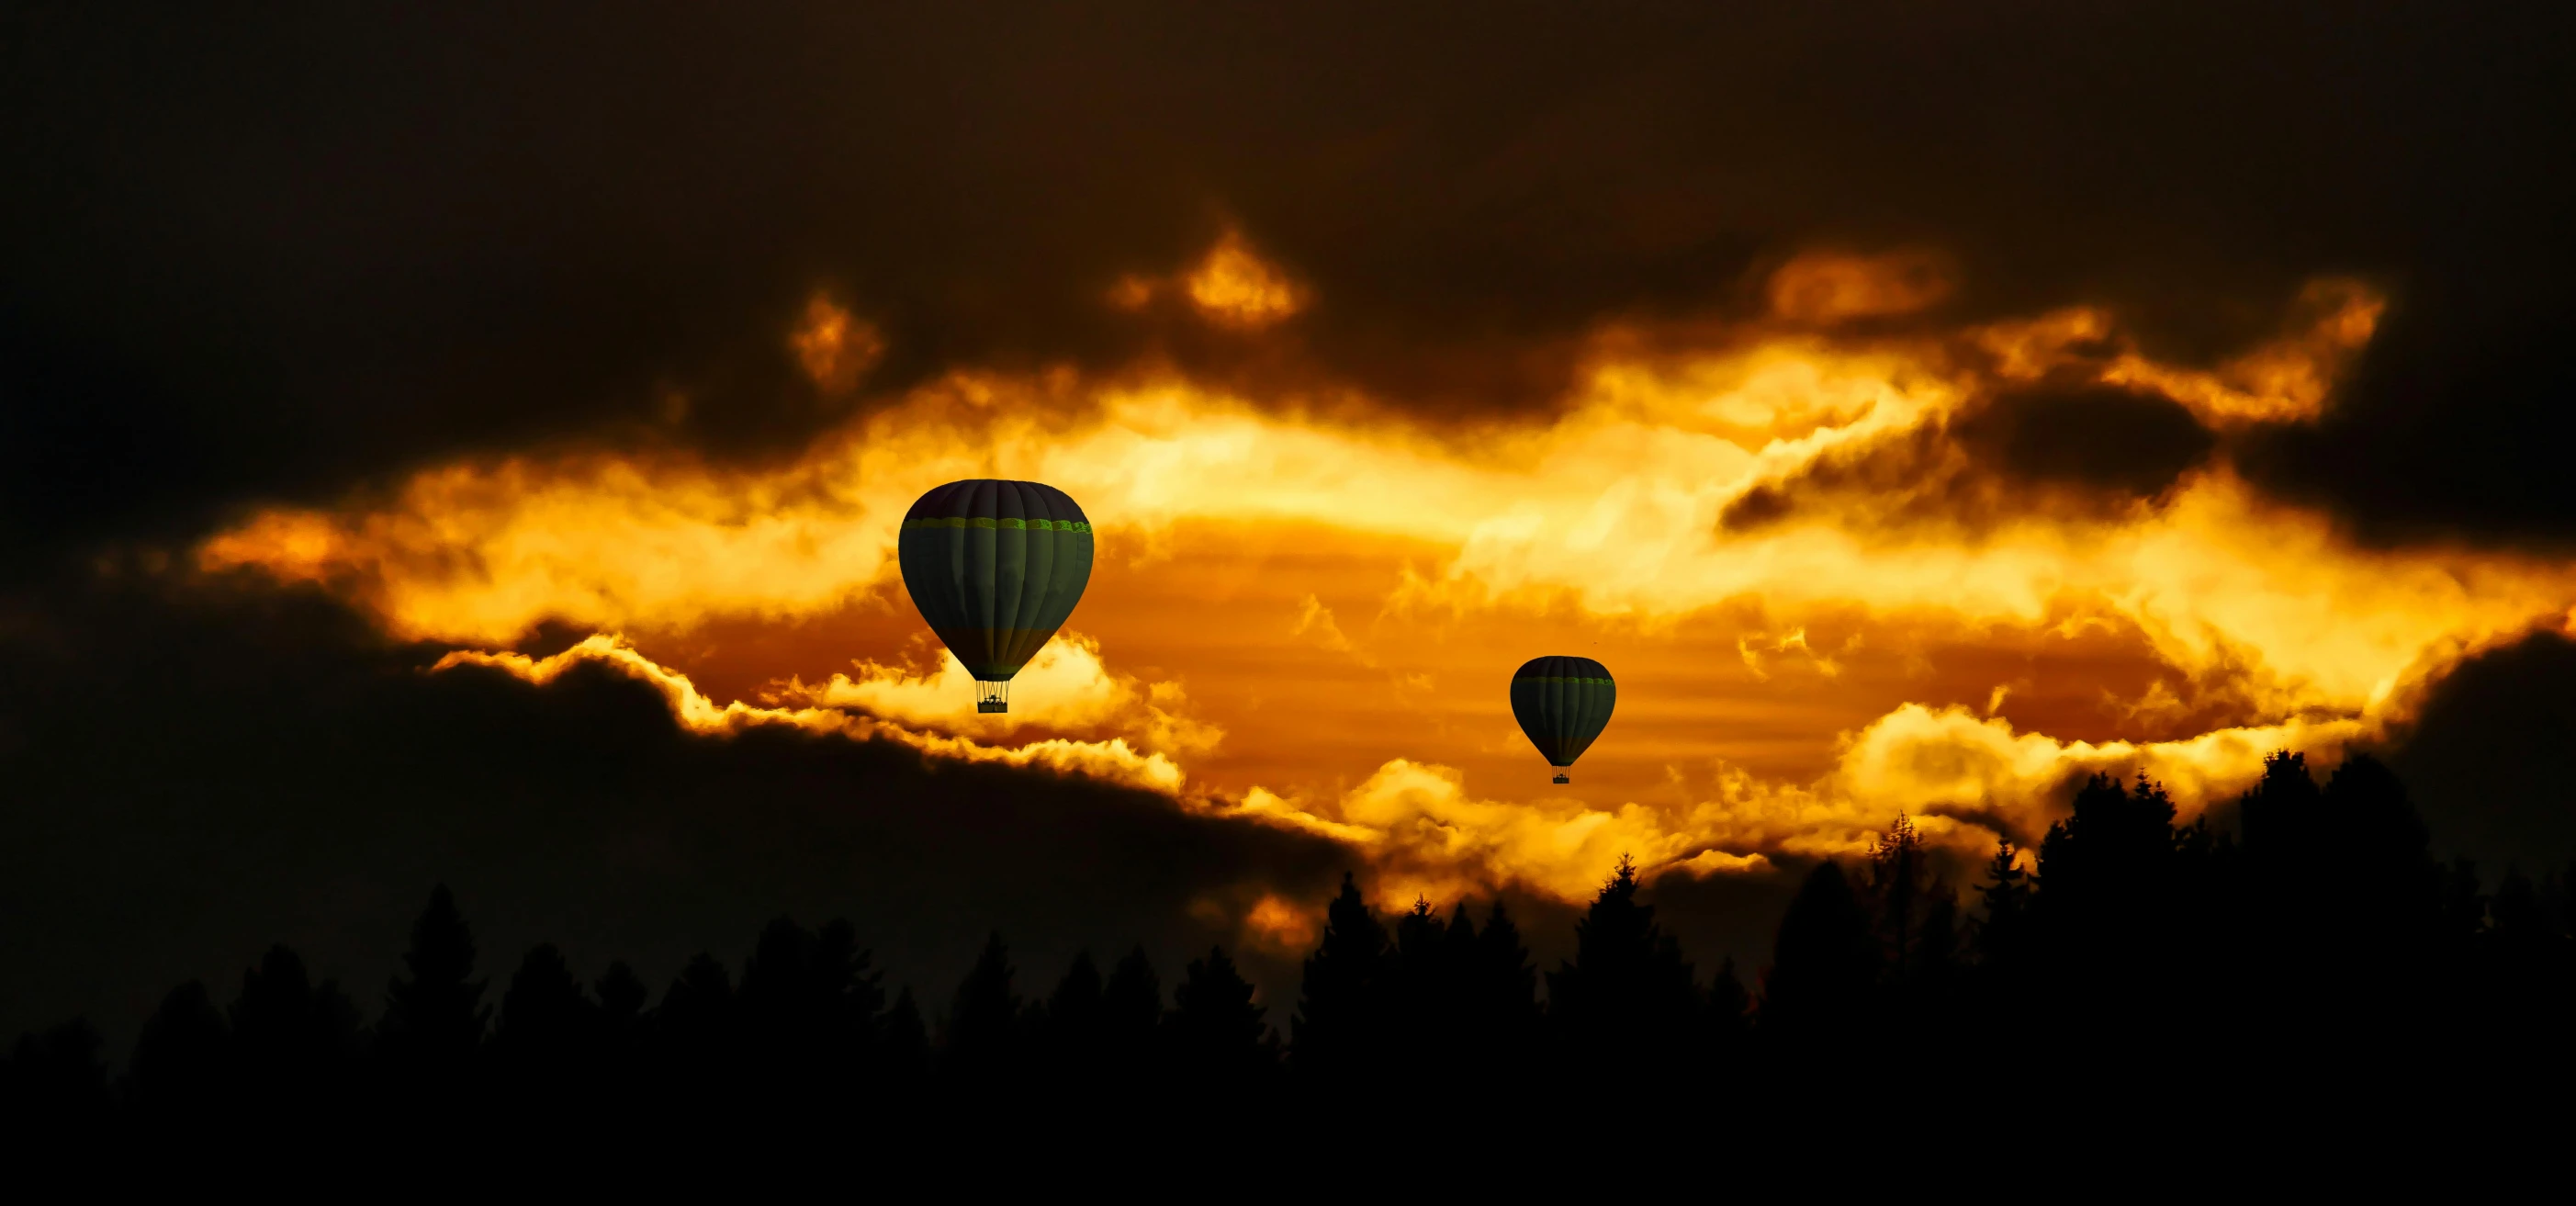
(2328, 956)
(2283, 812)
(434, 1014)
(546, 1036)
(295, 1041)
(1073, 1030)
(1218, 1039)
(982, 1038)
(2384, 872)
(2108, 862)
(697, 1031)
(1824, 968)
(53, 1083)
(2003, 933)
(1505, 992)
(183, 1062)
(1895, 883)
(1936, 951)
(809, 1010)
(1423, 983)
(1627, 993)
(1131, 1019)
(1340, 1028)
(905, 1054)
(621, 994)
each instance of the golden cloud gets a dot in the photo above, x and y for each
(1066, 686)
(1112, 761)
(1234, 286)
(835, 348)
(1270, 535)
(1830, 287)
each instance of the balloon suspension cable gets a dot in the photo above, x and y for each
(992, 697)
(1563, 779)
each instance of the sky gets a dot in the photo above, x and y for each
(467, 445)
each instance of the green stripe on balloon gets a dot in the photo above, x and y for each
(1016, 525)
(995, 567)
(1563, 713)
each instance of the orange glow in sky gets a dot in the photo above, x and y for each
(1310, 622)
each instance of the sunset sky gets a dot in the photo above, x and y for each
(425, 438)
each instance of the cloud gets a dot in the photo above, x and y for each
(2487, 756)
(193, 775)
(1950, 762)
(2268, 624)
(1066, 686)
(571, 248)
(1238, 288)
(1671, 327)
(1831, 287)
(1112, 761)
(835, 348)
(1617, 502)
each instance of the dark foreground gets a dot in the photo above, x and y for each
(2321, 961)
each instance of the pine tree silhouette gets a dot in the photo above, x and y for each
(548, 1027)
(621, 995)
(809, 1011)
(1892, 884)
(1422, 984)
(183, 1066)
(905, 1054)
(981, 1044)
(2326, 963)
(1627, 993)
(295, 1042)
(1505, 988)
(2104, 868)
(1340, 1028)
(1217, 1036)
(2003, 933)
(697, 1031)
(1824, 970)
(1074, 1026)
(54, 1084)
(434, 1014)
(624, 1069)
(1131, 1022)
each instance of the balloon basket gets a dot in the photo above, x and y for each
(992, 697)
(1563, 779)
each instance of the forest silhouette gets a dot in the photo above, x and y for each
(2321, 951)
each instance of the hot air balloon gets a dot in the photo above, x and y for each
(995, 567)
(1562, 704)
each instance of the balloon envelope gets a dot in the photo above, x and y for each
(1562, 704)
(995, 567)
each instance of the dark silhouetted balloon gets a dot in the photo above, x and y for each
(995, 567)
(1563, 703)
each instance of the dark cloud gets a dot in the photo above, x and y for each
(2118, 442)
(2451, 432)
(286, 252)
(184, 780)
(281, 253)
(2491, 759)
(2053, 449)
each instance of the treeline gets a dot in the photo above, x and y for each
(2322, 946)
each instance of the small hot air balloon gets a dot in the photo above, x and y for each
(1562, 704)
(995, 567)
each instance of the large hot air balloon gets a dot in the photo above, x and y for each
(1563, 703)
(995, 567)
